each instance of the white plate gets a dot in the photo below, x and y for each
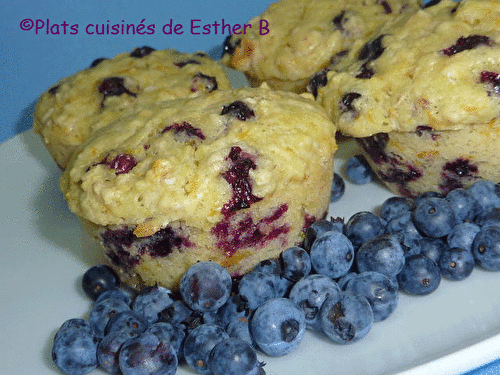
(44, 253)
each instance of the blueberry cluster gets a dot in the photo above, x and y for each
(345, 277)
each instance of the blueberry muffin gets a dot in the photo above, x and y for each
(294, 39)
(78, 105)
(228, 177)
(423, 98)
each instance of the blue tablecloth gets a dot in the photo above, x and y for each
(44, 41)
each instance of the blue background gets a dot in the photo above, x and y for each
(32, 62)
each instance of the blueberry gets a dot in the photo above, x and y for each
(170, 333)
(358, 171)
(434, 217)
(486, 193)
(315, 230)
(113, 86)
(127, 321)
(486, 248)
(419, 276)
(238, 110)
(346, 318)
(425, 195)
(309, 294)
(108, 350)
(151, 302)
(102, 312)
(462, 235)
(257, 287)
(395, 206)
(432, 248)
(147, 354)
(234, 356)
(380, 291)
(74, 350)
(456, 263)
(342, 282)
(272, 266)
(240, 328)
(463, 204)
(97, 61)
(403, 226)
(121, 163)
(125, 295)
(363, 226)
(175, 313)
(332, 254)
(296, 263)
(198, 345)
(338, 188)
(491, 217)
(205, 286)
(345, 104)
(278, 327)
(383, 254)
(140, 52)
(99, 279)
(466, 43)
(206, 83)
(233, 309)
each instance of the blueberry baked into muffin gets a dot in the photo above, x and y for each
(78, 105)
(423, 98)
(232, 177)
(298, 38)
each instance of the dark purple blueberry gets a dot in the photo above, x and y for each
(383, 254)
(401, 174)
(53, 90)
(230, 45)
(113, 86)
(122, 163)
(429, 3)
(366, 72)
(173, 334)
(462, 235)
(372, 49)
(345, 104)
(185, 128)
(332, 254)
(420, 130)
(108, 350)
(97, 61)
(140, 52)
(338, 20)
(375, 147)
(358, 171)
(182, 64)
(318, 80)
(465, 206)
(238, 176)
(209, 83)
(466, 43)
(455, 172)
(315, 230)
(117, 241)
(387, 7)
(493, 79)
(99, 279)
(432, 248)
(239, 110)
(162, 243)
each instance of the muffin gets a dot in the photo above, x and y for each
(423, 98)
(227, 177)
(78, 105)
(294, 39)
